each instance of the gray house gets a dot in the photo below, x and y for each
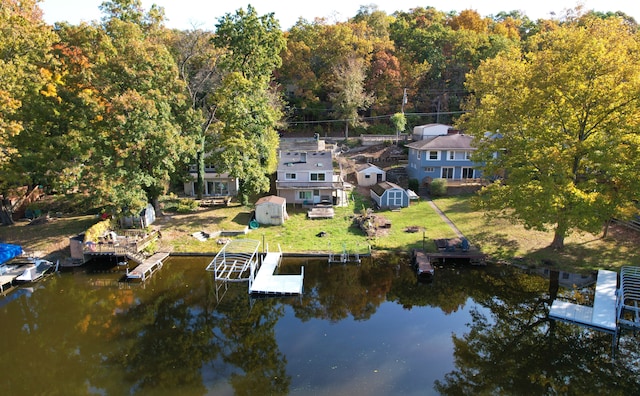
(307, 177)
(389, 195)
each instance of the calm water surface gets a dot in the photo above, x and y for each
(357, 330)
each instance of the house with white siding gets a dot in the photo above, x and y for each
(308, 178)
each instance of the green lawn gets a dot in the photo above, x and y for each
(506, 241)
(497, 237)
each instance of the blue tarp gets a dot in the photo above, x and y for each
(9, 251)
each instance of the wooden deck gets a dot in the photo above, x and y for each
(321, 212)
(456, 249)
(266, 282)
(422, 264)
(602, 316)
(148, 267)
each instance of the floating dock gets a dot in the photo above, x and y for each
(602, 316)
(147, 268)
(266, 282)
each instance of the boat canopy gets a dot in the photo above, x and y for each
(9, 251)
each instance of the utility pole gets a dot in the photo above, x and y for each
(404, 101)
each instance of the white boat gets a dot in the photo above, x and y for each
(34, 269)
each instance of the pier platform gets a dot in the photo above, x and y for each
(266, 282)
(422, 265)
(147, 268)
(602, 315)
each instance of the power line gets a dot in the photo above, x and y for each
(375, 117)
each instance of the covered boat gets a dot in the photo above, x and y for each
(9, 251)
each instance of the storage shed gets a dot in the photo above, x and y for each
(146, 217)
(368, 174)
(271, 210)
(389, 195)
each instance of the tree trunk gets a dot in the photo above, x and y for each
(558, 239)
(200, 169)
(6, 216)
(605, 232)
(346, 131)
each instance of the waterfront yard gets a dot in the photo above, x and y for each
(497, 237)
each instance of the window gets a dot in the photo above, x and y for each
(304, 195)
(459, 155)
(433, 155)
(447, 173)
(429, 169)
(417, 154)
(290, 176)
(317, 177)
(467, 173)
(367, 176)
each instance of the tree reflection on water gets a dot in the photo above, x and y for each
(88, 334)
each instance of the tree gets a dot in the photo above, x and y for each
(147, 126)
(248, 110)
(564, 118)
(349, 95)
(197, 60)
(24, 50)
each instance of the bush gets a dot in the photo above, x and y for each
(94, 232)
(172, 203)
(438, 187)
(414, 185)
(186, 205)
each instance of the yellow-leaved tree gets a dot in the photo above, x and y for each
(559, 123)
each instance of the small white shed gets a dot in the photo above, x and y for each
(271, 210)
(368, 174)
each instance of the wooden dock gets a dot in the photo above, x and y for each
(266, 282)
(602, 316)
(456, 249)
(422, 265)
(147, 268)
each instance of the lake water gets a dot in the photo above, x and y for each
(368, 329)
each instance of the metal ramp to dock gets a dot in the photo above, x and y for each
(602, 316)
(266, 282)
(628, 308)
(147, 268)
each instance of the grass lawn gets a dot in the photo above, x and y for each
(497, 237)
(506, 241)
(50, 238)
(299, 234)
